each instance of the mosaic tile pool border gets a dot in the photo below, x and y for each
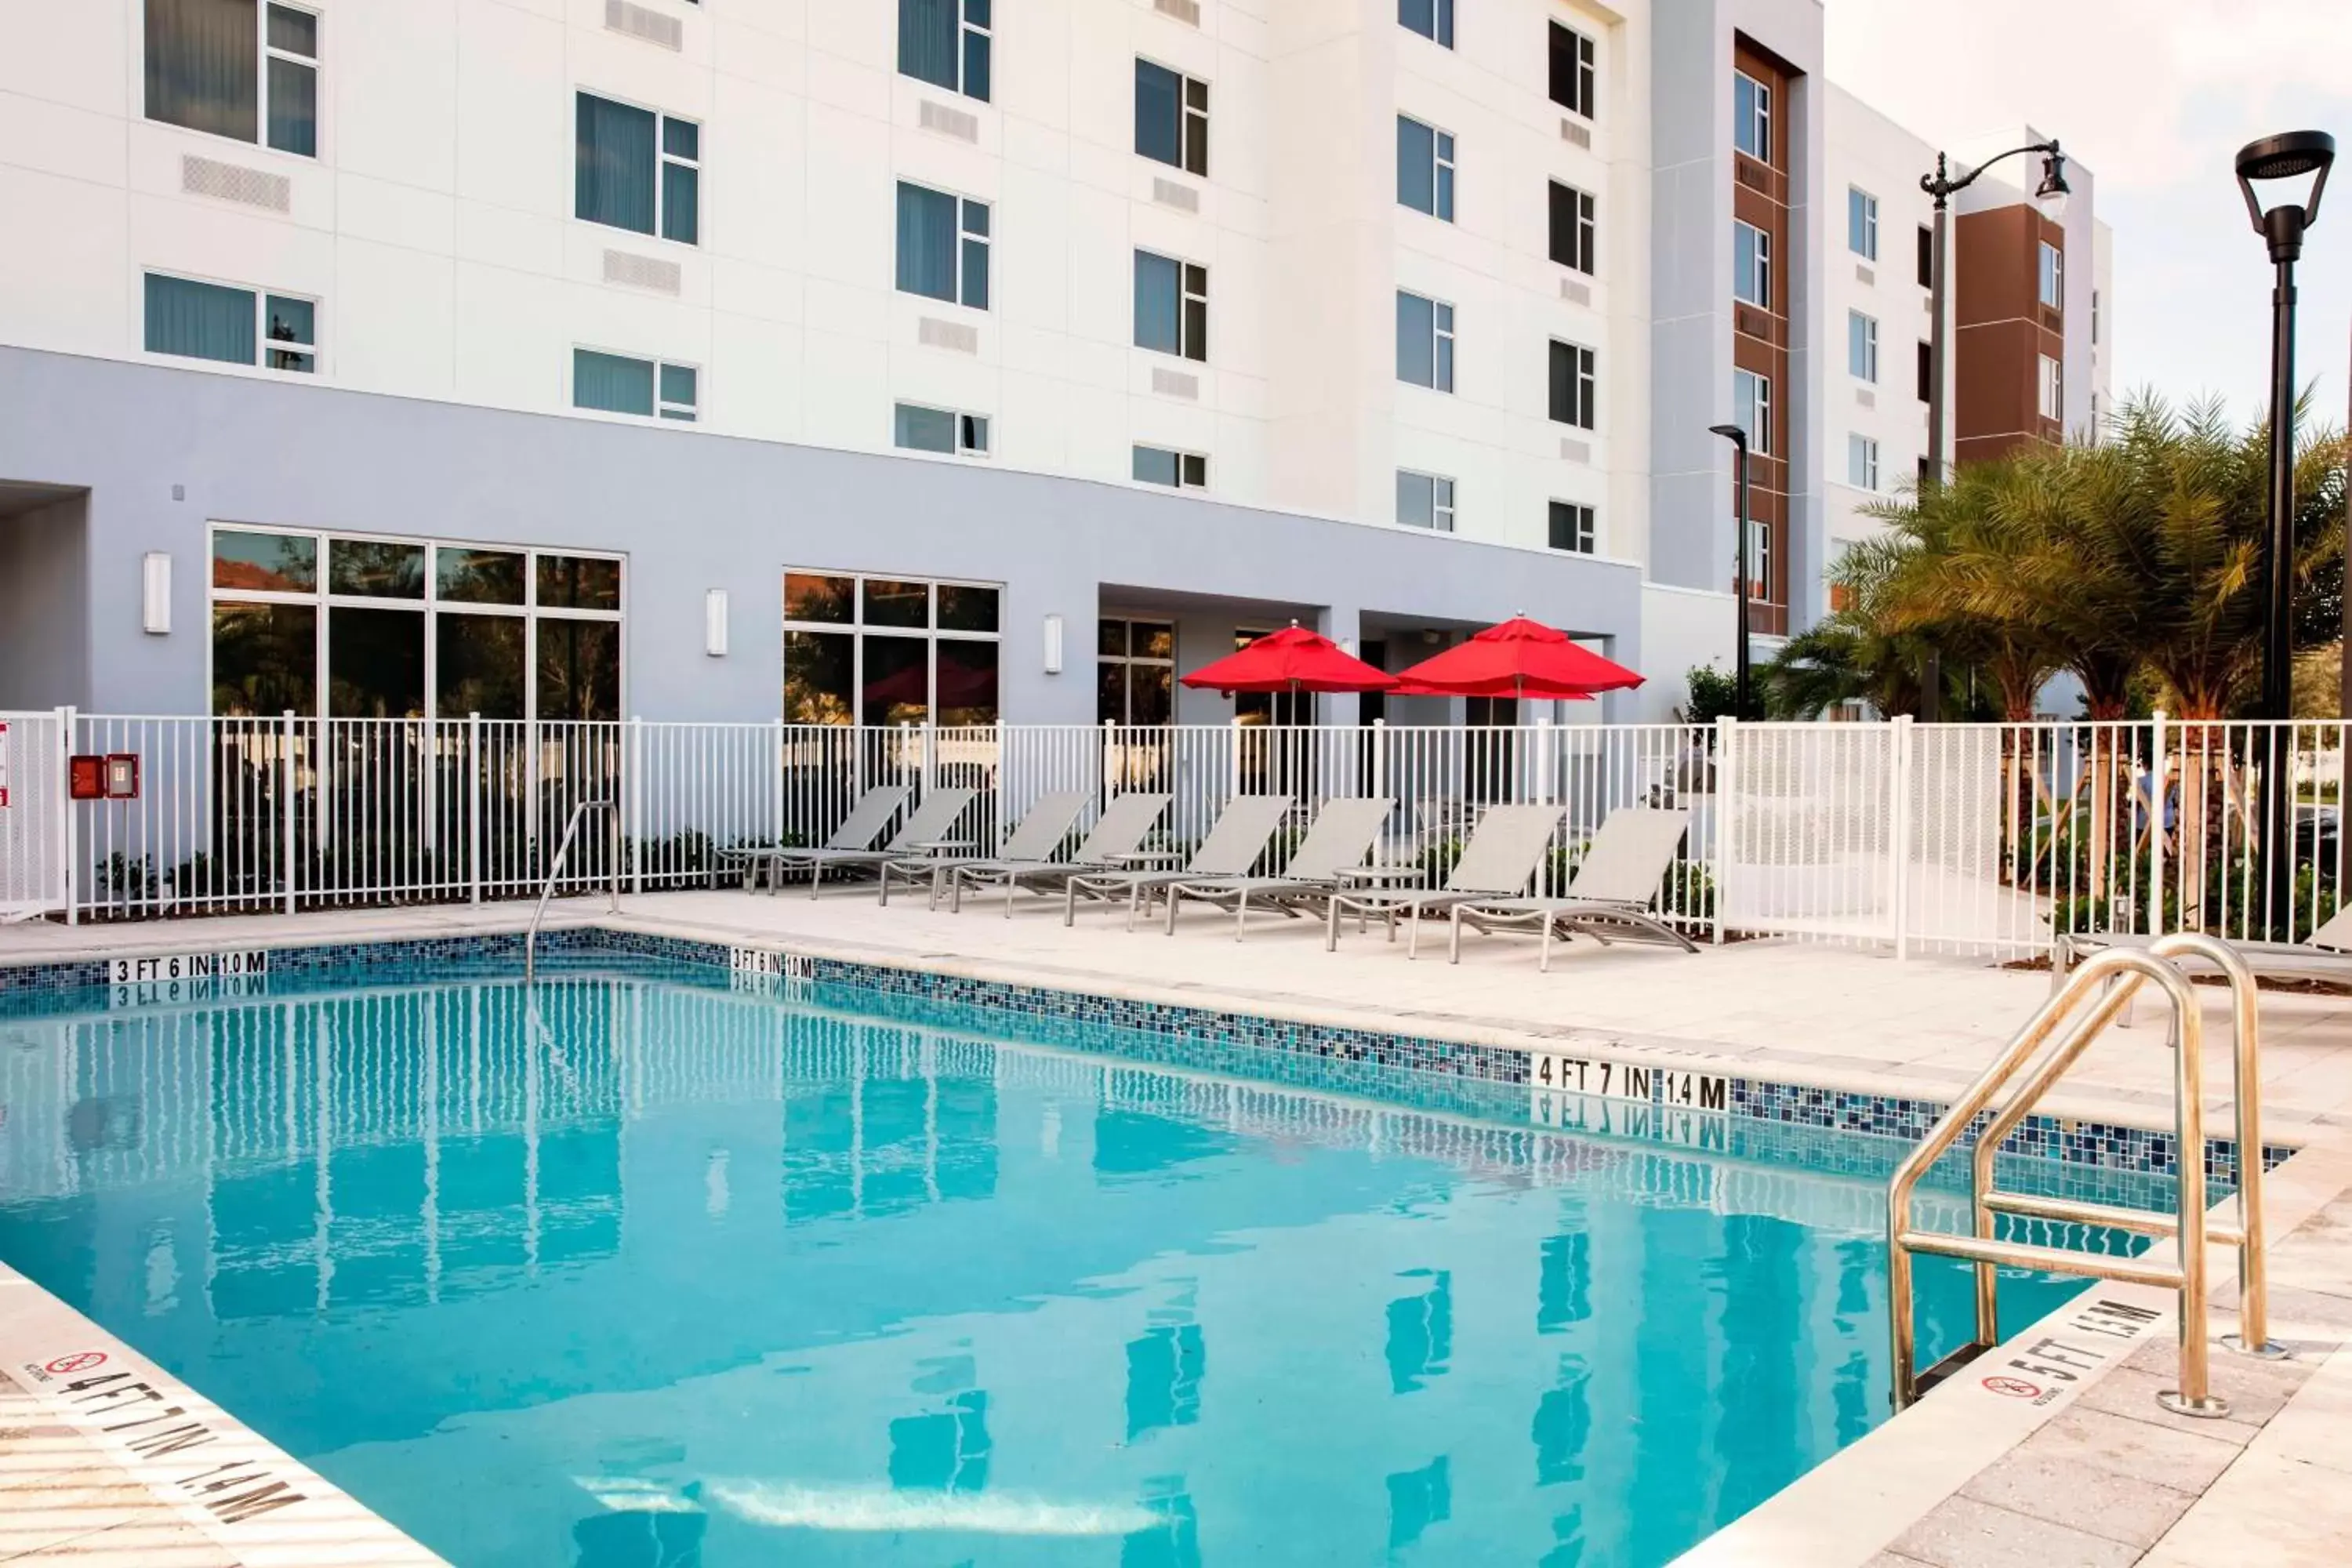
(2095, 1144)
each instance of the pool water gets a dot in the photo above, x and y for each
(648, 1269)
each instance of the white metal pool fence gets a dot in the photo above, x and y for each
(1988, 838)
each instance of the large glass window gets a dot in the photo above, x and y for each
(1425, 342)
(1751, 265)
(238, 69)
(945, 43)
(1424, 168)
(1433, 19)
(1575, 385)
(1171, 117)
(341, 627)
(1135, 671)
(942, 246)
(1171, 306)
(1862, 223)
(1574, 238)
(1573, 79)
(637, 170)
(1751, 117)
(889, 650)
(234, 326)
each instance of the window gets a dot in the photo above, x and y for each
(1573, 528)
(1424, 169)
(1574, 236)
(1575, 389)
(1424, 500)
(1760, 556)
(945, 42)
(942, 246)
(1425, 342)
(2094, 318)
(1751, 409)
(615, 384)
(238, 69)
(1751, 117)
(1171, 306)
(234, 326)
(1135, 671)
(411, 629)
(1927, 372)
(637, 170)
(1171, 117)
(1927, 257)
(1572, 84)
(1862, 462)
(1862, 223)
(2054, 389)
(920, 429)
(1177, 470)
(1433, 19)
(1751, 264)
(1861, 346)
(881, 650)
(2051, 280)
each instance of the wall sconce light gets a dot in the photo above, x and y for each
(714, 623)
(156, 593)
(1053, 645)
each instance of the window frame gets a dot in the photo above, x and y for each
(1583, 386)
(1442, 169)
(264, 52)
(1862, 223)
(1444, 489)
(1759, 122)
(1441, 343)
(1861, 461)
(2050, 276)
(1441, 22)
(260, 295)
(429, 607)
(1862, 345)
(858, 631)
(966, 31)
(1584, 228)
(970, 435)
(1191, 117)
(666, 410)
(2050, 394)
(1191, 324)
(960, 286)
(1761, 249)
(1187, 466)
(1128, 658)
(1758, 428)
(663, 162)
(1584, 86)
(1584, 527)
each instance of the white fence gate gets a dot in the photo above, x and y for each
(33, 848)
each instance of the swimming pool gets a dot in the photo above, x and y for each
(651, 1268)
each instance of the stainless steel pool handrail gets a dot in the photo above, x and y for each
(555, 870)
(2120, 971)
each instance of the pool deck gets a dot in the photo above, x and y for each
(2094, 1473)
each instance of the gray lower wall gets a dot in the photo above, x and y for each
(692, 511)
(45, 605)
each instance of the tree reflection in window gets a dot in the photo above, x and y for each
(579, 670)
(263, 657)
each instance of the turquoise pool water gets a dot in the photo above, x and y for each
(655, 1271)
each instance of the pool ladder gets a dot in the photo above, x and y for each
(555, 871)
(2118, 973)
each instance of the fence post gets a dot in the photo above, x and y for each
(1727, 783)
(776, 789)
(474, 810)
(2158, 792)
(1901, 834)
(68, 844)
(632, 784)
(930, 753)
(286, 788)
(1380, 780)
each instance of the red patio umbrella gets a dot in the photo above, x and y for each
(1292, 660)
(1519, 659)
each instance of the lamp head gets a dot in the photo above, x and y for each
(1732, 433)
(2278, 165)
(2053, 190)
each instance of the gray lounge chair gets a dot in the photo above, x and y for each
(1241, 832)
(928, 824)
(1499, 861)
(859, 830)
(1116, 832)
(1342, 836)
(1609, 895)
(2324, 955)
(1041, 833)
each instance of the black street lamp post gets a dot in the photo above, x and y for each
(2051, 193)
(1739, 681)
(2287, 157)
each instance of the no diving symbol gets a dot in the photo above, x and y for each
(2015, 1387)
(65, 1365)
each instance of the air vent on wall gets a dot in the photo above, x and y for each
(1169, 193)
(1569, 131)
(1864, 274)
(1576, 451)
(1575, 293)
(1186, 11)
(949, 122)
(642, 271)
(1753, 175)
(2052, 321)
(1864, 397)
(638, 22)
(1169, 383)
(934, 333)
(231, 183)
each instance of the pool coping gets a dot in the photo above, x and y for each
(102, 1449)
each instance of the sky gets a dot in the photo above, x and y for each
(2156, 96)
